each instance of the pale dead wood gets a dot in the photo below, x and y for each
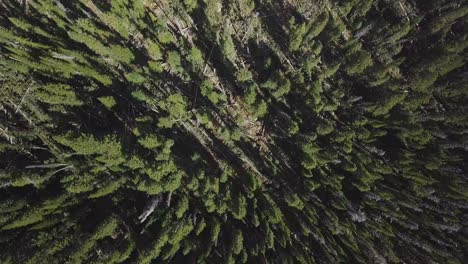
(90, 4)
(404, 10)
(21, 112)
(169, 198)
(149, 209)
(22, 99)
(46, 166)
(9, 138)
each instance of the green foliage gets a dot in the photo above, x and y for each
(388, 103)
(190, 4)
(325, 128)
(79, 183)
(140, 95)
(109, 188)
(105, 229)
(196, 57)
(447, 18)
(58, 94)
(174, 61)
(318, 25)
(331, 70)
(244, 75)
(154, 51)
(108, 151)
(135, 77)
(176, 106)
(239, 209)
(294, 201)
(215, 228)
(261, 109)
(182, 207)
(227, 44)
(233, 131)
(296, 35)
(150, 142)
(108, 101)
(29, 217)
(357, 62)
(165, 37)
(237, 242)
(207, 89)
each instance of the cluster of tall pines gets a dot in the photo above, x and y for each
(243, 131)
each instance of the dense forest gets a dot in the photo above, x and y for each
(243, 131)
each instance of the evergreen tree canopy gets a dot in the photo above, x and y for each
(244, 131)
